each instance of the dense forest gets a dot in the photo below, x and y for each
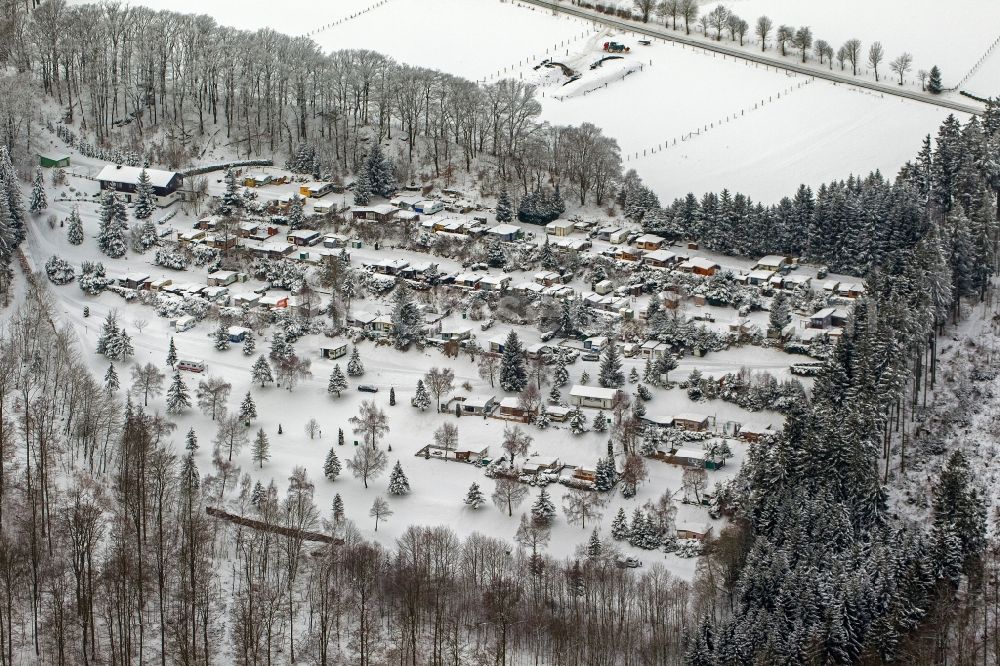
(107, 554)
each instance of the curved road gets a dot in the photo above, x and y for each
(719, 47)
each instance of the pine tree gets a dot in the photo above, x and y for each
(362, 188)
(338, 508)
(296, 217)
(113, 230)
(398, 483)
(221, 336)
(38, 202)
(475, 498)
(258, 494)
(171, 353)
(585, 377)
(261, 448)
(513, 374)
(594, 547)
(249, 344)
(555, 395)
(178, 396)
(649, 373)
(504, 211)
(543, 511)
(600, 422)
(619, 526)
(561, 375)
(144, 204)
(663, 367)
(577, 421)
(355, 368)
(280, 348)
(340, 436)
(406, 318)
(637, 528)
(74, 227)
(392, 396)
(111, 383)
(934, 85)
(191, 441)
(633, 376)
(643, 392)
(780, 313)
(421, 398)
(261, 372)
(606, 474)
(543, 420)
(331, 466)
(611, 375)
(109, 330)
(248, 409)
(338, 382)
(14, 205)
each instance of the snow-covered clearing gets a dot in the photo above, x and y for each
(984, 81)
(953, 43)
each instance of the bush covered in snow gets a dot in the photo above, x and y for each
(170, 259)
(92, 280)
(59, 271)
(279, 274)
(688, 548)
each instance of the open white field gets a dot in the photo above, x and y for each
(765, 146)
(953, 42)
(985, 81)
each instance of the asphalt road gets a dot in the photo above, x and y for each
(720, 47)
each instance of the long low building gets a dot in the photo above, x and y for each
(166, 185)
(593, 396)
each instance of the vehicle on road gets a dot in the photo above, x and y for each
(367, 388)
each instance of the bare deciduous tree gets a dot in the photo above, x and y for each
(508, 494)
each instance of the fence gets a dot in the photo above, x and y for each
(979, 63)
(355, 15)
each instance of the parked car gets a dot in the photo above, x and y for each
(591, 357)
(628, 562)
(548, 335)
(822, 272)
(367, 388)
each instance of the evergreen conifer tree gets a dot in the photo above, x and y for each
(421, 398)
(504, 212)
(144, 204)
(355, 368)
(362, 188)
(392, 396)
(577, 421)
(611, 375)
(113, 230)
(222, 337)
(543, 511)
(513, 374)
(475, 497)
(600, 423)
(38, 201)
(331, 466)
(111, 383)
(249, 344)
(619, 526)
(261, 372)
(248, 409)
(934, 84)
(337, 383)
(178, 396)
(406, 318)
(338, 508)
(191, 441)
(74, 227)
(398, 483)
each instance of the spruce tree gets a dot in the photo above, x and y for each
(191, 441)
(113, 229)
(619, 526)
(561, 375)
(504, 211)
(144, 204)
(331, 466)
(392, 396)
(261, 448)
(594, 547)
(280, 348)
(585, 377)
(340, 436)
(74, 227)
(111, 383)
(421, 398)
(611, 375)
(474, 498)
(362, 188)
(406, 318)
(261, 372)
(248, 409)
(338, 382)
(513, 375)
(577, 421)
(10, 190)
(637, 528)
(249, 344)
(780, 313)
(606, 474)
(633, 376)
(934, 84)
(555, 395)
(600, 422)
(222, 342)
(338, 508)
(231, 198)
(355, 368)
(398, 483)
(543, 420)
(643, 392)
(543, 511)
(178, 396)
(171, 353)
(38, 202)
(296, 216)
